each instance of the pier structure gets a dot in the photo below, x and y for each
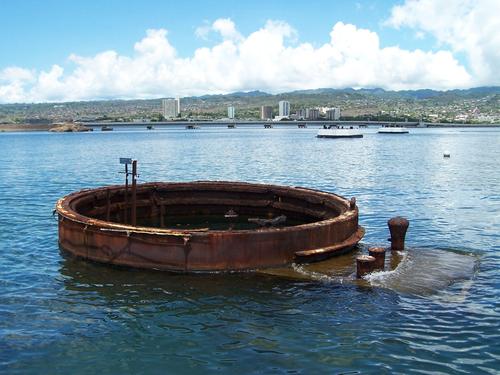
(284, 124)
(259, 123)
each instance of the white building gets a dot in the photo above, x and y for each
(284, 108)
(231, 112)
(333, 114)
(171, 108)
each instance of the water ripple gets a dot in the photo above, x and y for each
(437, 312)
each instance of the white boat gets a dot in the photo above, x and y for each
(339, 132)
(392, 129)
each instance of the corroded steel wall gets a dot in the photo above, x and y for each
(336, 229)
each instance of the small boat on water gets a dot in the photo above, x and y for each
(339, 132)
(393, 129)
(106, 128)
(150, 127)
(192, 127)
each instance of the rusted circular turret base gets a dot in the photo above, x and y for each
(290, 225)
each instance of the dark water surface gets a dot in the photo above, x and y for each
(436, 311)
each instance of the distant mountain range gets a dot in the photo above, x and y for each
(482, 103)
(412, 94)
(322, 92)
(243, 94)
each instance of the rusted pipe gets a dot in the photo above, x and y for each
(125, 213)
(134, 193)
(379, 254)
(364, 265)
(398, 226)
(352, 203)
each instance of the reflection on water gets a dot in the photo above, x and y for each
(418, 271)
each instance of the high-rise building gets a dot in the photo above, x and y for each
(312, 113)
(333, 114)
(266, 112)
(231, 112)
(178, 102)
(171, 108)
(284, 108)
(300, 114)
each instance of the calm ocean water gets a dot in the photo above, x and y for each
(438, 312)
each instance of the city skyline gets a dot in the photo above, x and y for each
(131, 52)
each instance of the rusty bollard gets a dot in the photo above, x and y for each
(352, 203)
(364, 264)
(379, 254)
(398, 226)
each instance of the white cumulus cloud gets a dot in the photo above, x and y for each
(13, 80)
(16, 74)
(467, 26)
(270, 58)
(225, 27)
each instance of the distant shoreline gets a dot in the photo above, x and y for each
(12, 128)
(290, 123)
(24, 127)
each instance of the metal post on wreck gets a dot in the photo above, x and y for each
(364, 264)
(126, 162)
(134, 193)
(125, 217)
(379, 254)
(398, 226)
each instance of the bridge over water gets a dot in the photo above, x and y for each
(220, 123)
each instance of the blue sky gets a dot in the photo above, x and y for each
(51, 30)
(38, 35)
